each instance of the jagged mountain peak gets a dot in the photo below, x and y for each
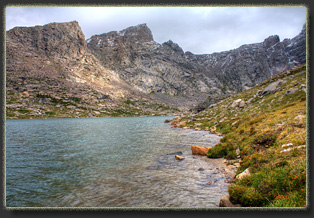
(174, 46)
(52, 38)
(270, 41)
(140, 33)
(131, 35)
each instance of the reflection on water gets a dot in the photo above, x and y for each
(108, 162)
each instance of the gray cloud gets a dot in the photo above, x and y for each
(196, 29)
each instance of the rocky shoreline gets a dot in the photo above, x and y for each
(257, 126)
(228, 167)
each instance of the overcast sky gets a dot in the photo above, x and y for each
(201, 30)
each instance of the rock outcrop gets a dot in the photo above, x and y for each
(57, 52)
(238, 103)
(295, 48)
(272, 87)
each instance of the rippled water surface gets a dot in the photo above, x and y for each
(108, 162)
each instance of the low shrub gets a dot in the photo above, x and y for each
(271, 185)
(246, 150)
(241, 131)
(22, 110)
(231, 155)
(221, 150)
(295, 199)
(265, 139)
(246, 196)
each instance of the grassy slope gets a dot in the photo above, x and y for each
(259, 129)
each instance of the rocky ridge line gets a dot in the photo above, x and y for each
(166, 69)
(127, 70)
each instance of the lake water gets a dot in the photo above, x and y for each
(108, 162)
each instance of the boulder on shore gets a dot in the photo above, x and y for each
(225, 202)
(198, 150)
(243, 174)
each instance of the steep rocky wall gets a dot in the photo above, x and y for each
(58, 52)
(165, 68)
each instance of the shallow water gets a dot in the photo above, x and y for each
(108, 162)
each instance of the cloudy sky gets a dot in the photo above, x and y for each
(201, 30)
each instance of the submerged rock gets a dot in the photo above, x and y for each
(175, 146)
(167, 161)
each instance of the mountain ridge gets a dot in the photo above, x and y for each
(268, 58)
(128, 65)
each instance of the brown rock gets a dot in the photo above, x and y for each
(225, 202)
(174, 123)
(179, 157)
(197, 150)
(213, 129)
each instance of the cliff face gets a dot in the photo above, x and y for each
(296, 48)
(55, 60)
(150, 67)
(164, 68)
(58, 51)
(50, 66)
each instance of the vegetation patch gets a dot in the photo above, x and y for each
(270, 133)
